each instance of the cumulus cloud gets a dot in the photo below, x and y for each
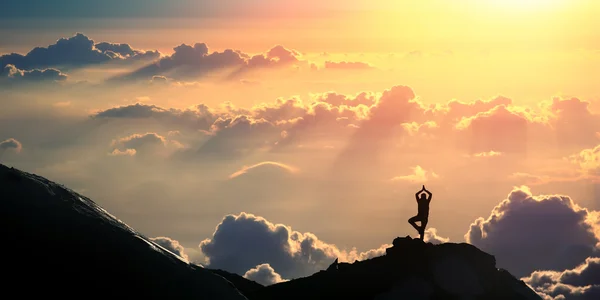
(136, 141)
(125, 51)
(528, 233)
(198, 117)
(364, 98)
(264, 274)
(171, 245)
(573, 121)
(75, 51)
(191, 61)
(242, 242)
(237, 136)
(12, 74)
(502, 129)
(414, 128)
(263, 165)
(431, 236)
(11, 144)
(147, 143)
(419, 175)
(588, 160)
(581, 282)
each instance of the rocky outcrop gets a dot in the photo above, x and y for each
(411, 269)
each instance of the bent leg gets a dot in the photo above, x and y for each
(413, 221)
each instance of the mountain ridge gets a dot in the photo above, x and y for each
(67, 245)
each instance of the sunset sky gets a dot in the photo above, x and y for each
(324, 116)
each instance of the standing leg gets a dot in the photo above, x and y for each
(423, 225)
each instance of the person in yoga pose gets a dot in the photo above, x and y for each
(423, 198)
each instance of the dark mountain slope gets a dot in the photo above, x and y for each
(243, 284)
(56, 242)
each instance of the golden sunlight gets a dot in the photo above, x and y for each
(516, 5)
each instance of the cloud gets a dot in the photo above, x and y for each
(418, 175)
(488, 154)
(11, 74)
(264, 274)
(263, 165)
(197, 117)
(413, 127)
(242, 242)
(237, 136)
(190, 61)
(136, 144)
(588, 160)
(432, 237)
(346, 65)
(75, 51)
(528, 233)
(372, 122)
(574, 124)
(136, 141)
(10, 144)
(126, 152)
(502, 129)
(337, 100)
(125, 51)
(171, 245)
(581, 282)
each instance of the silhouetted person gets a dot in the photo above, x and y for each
(423, 198)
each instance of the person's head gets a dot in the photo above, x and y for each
(423, 196)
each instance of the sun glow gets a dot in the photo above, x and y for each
(519, 5)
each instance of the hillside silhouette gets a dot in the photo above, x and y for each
(60, 243)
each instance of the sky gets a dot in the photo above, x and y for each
(289, 133)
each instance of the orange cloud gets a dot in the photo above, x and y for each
(488, 154)
(126, 152)
(483, 127)
(588, 160)
(418, 175)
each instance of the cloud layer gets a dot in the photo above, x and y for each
(75, 51)
(528, 233)
(581, 282)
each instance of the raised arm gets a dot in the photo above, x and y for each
(419, 192)
(429, 195)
